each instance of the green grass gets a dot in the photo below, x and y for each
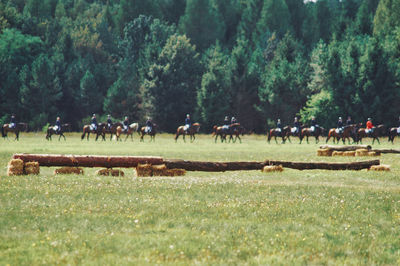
(296, 217)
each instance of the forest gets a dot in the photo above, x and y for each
(257, 60)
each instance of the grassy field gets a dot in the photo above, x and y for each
(296, 217)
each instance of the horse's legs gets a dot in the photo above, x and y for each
(327, 139)
(240, 140)
(307, 140)
(288, 138)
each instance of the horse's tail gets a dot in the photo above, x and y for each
(269, 135)
(3, 134)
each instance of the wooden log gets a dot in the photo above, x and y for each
(345, 148)
(88, 160)
(233, 166)
(386, 150)
(213, 166)
(326, 165)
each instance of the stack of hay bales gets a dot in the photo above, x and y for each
(349, 153)
(68, 171)
(110, 171)
(365, 152)
(272, 168)
(324, 152)
(374, 153)
(15, 167)
(144, 170)
(31, 168)
(381, 167)
(337, 153)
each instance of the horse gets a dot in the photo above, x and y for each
(219, 131)
(151, 133)
(237, 130)
(348, 131)
(87, 129)
(290, 132)
(275, 132)
(377, 132)
(393, 132)
(307, 132)
(51, 131)
(191, 131)
(132, 128)
(19, 127)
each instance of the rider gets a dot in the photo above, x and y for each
(125, 123)
(233, 120)
(226, 124)
(188, 123)
(149, 125)
(13, 122)
(109, 121)
(313, 124)
(58, 125)
(348, 121)
(94, 122)
(279, 126)
(296, 126)
(339, 128)
(398, 129)
(370, 126)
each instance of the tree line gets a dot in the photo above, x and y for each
(257, 60)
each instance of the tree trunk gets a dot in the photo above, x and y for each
(88, 160)
(386, 150)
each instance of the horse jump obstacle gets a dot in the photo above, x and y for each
(357, 147)
(133, 161)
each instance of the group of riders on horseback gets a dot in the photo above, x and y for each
(229, 127)
(343, 131)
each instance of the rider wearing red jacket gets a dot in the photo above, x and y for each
(370, 126)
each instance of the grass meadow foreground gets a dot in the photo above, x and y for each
(293, 217)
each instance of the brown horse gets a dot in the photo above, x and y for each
(235, 130)
(132, 128)
(348, 131)
(219, 131)
(191, 132)
(151, 133)
(275, 132)
(87, 129)
(51, 131)
(376, 132)
(16, 130)
(307, 132)
(291, 133)
(393, 132)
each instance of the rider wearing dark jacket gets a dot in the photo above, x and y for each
(149, 125)
(109, 121)
(13, 122)
(296, 125)
(126, 123)
(348, 121)
(340, 125)
(94, 122)
(58, 124)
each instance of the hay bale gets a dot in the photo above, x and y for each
(143, 170)
(272, 168)
(362, 152)
(68, 171)
(159, 170)
(374, 153)
(15, 167)
(381, 167)
(174, 172)
(117, 172)
(103, 172)
(324, 152)
(349, 153)
(31, 168)
(337, 153)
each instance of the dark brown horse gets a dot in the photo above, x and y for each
(191, 132)
(393, 132)
(219, 131)
(376, 132)
(51, 131)
(87, 129)
(307, 132)
(348, 131)
(19, 127)
(132, 128)
(235, 130)
(152, 133)
(276, 132)
(290, 132)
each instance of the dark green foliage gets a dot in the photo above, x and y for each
(258, 60)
